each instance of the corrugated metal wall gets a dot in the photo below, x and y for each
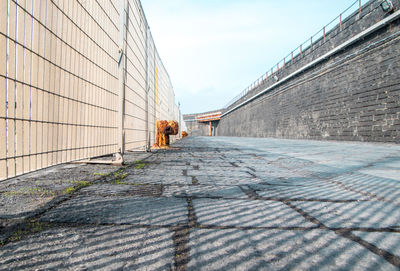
(60, 82)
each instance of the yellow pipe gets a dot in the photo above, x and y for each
(157, 85)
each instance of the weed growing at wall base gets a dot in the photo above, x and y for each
(78, 185)
(119, 176)
(139, 164)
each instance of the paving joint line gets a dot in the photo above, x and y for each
(251, 174)
(313, 200)
(329, 180)
(181, 236)
(389, 257)
(345, 187)
(195, 182)
(250, 193)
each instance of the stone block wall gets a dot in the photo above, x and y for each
(353, 95)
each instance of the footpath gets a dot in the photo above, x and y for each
(210, 203)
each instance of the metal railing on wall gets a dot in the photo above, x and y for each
(354, 9)
(60, 82)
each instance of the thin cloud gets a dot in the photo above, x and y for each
(217, 48)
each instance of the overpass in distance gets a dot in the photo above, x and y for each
(342, 84)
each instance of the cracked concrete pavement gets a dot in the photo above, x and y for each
(210, 204)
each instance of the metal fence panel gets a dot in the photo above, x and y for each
(59, 78)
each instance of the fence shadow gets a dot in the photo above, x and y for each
(287, 217)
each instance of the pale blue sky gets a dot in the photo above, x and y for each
(213, 49)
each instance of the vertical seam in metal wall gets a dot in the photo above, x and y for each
(30, 91)
(23, 97)
(7, 84)
(45, 110)
(147, 89)
(154, 98)
(14, 106)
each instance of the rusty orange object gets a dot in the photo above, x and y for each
(184, 134)
(174, 127)
(161, 139)
(164, 130)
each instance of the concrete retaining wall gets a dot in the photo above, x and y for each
(353, 95)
